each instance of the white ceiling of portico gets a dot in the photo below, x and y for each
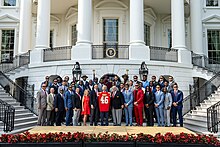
(159, 6)
(61, 6)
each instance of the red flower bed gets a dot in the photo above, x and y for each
(181, 138)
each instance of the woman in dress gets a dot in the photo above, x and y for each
(85, 106)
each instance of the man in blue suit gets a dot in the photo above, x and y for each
(68, 102)
(159, 106)
(177, 97)
(128, 102)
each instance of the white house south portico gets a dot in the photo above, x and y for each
(116, 26)
(111, 37)
(132, 25)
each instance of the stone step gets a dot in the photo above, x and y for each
(25, 119)
(199, 112)
(21, 111)
(14, 103)
(25, 125)
(3, 94)
(8, 100)
(22, 130)
(194, 128)
(18, 107)
(23, 115)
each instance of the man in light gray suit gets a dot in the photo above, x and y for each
(42, 105)
(159, 106)
(167, 106)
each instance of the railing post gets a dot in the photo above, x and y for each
(190, 93)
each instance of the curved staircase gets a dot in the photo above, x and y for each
(204, 97)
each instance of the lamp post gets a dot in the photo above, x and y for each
(76, 71)
(143, 70)
(127, 71)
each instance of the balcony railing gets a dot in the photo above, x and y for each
(163, 54)
(57, 54)
(110, 51)
(16, 62)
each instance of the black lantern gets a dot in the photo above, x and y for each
(76, 71)
(143, 71)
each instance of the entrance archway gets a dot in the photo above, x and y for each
(109, 77)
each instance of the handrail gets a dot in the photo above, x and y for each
(24, 97)
(213, 117)
(16, 62)
(7, 115)
(199, 94)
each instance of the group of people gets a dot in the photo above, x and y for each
(64, 101)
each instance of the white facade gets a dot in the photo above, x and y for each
(33, 20)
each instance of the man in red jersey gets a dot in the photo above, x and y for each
(138, 104)
(104, 104)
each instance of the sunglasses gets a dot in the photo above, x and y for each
(44, 86)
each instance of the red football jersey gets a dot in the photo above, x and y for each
(104, 101)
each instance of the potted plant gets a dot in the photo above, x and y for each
(109, 140)
(45, 140)
(172, 140)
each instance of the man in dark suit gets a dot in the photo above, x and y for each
(68, 102)
(82, 88)
(177, 97)
(59, 106)
(94, 106)
(85, 83)
(149, 106)
(55, 86)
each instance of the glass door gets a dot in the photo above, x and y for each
(110, 37)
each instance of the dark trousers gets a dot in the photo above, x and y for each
(69, 115)
(149, 115)
(94, 117)
(176, 110)
(59, 117)
(104, 115)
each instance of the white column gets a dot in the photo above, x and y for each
(137, 22)
(196, 26)
(84, 21)
(43, 24)
(25, 26)
(137, 49)
(83, 48)
(178, 24)
(178, 32)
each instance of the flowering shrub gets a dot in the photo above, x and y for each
(42, 138)
(106, 137)
(181, 138)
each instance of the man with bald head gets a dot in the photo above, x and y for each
(117, 99)
(104, 104)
